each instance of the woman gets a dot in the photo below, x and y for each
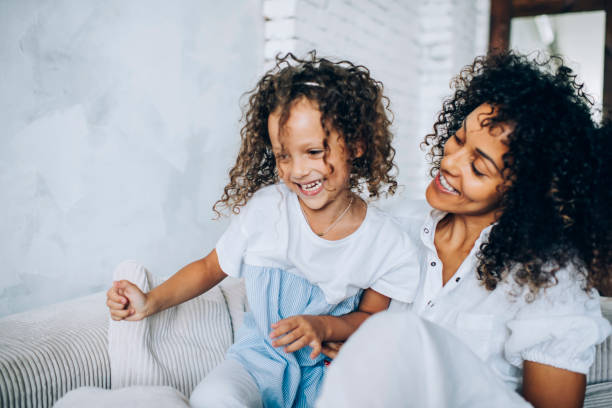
(517, 240)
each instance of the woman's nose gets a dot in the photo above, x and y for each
(452, 162)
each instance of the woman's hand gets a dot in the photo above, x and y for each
(298, 332)
(126, 301)
(331, 348)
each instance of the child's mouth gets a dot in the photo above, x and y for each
(312, 188)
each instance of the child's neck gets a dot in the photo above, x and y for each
(336, 221)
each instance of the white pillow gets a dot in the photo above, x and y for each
(176, 347)
(235, 295)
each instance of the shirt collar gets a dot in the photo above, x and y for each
(429, 228)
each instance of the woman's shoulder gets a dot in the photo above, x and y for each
(565, 293)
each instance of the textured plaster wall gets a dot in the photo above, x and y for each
(120, 119)
(119, 123)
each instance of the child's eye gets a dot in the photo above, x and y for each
(281, 156)
(315, 152)
(459, 141)
(476, 172)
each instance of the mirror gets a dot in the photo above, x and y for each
(578, 37)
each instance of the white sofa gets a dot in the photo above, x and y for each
(47, 352)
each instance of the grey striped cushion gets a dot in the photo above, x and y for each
(598, 395)
(176, 347)
(601, 370)
(45, 353)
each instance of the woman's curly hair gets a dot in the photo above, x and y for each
(350, 101)
(553, 211)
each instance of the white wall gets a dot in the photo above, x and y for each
(452, 34)
(119, 123)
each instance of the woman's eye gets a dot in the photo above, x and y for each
(459, 141)
(315, 152)
(476, 172)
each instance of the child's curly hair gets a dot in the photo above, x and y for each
(553, 211)
(350, 101)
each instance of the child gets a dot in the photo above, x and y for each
(316, 132)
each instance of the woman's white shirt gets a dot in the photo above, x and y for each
(559, 327)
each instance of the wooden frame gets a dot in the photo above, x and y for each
(502, 12)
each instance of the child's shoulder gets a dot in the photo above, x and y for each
(403, 212)
(408, 208)
(272, 190)
(404, 216)
(265, 197)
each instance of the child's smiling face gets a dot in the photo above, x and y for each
(320, 180)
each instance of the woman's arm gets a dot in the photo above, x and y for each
(126, 301)
(547, 386)
(309, 330)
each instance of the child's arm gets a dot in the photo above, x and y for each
(127, 302)
(308, 330)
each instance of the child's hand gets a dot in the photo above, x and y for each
(126, 301)
(299, 331)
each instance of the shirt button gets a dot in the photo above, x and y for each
(426, 230)
(457, 280)
(433, 264)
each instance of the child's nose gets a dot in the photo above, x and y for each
(299, 168)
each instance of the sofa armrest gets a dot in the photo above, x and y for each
(47, 352)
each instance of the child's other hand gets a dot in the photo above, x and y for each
(331, 348)
(299, 331)
(126, 301)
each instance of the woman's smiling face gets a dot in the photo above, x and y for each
(472, 169)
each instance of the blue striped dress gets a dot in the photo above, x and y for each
(284, 379)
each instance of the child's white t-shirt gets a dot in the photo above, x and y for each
(271, 231)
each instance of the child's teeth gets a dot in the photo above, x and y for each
(311, 186)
